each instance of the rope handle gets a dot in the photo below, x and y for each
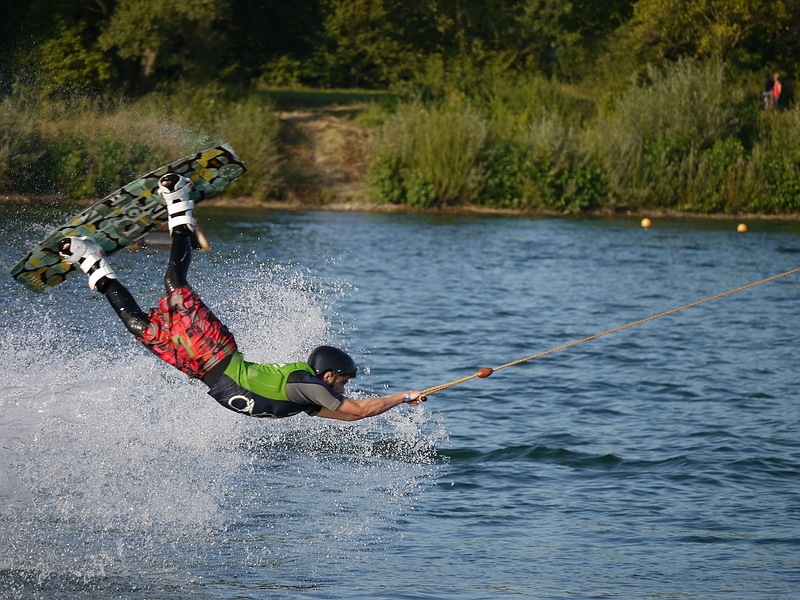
(486, 371)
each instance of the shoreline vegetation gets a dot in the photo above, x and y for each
(679, 143)
(524, 107)
(377, 152)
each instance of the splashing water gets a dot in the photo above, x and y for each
(119, 473)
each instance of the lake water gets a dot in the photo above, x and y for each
(662, 461)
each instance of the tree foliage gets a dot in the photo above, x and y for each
(747, 32)
(166, 34)
(439, 45)
(69, 63)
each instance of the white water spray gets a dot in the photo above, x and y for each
(113, 464)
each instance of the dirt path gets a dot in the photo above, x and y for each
(325, 155)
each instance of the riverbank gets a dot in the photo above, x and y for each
(356, 205)
(323, 159)
(378, 207)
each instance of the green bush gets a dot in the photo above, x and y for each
(509, 171)
(776, 163)
(542, 167)
(385, 178)
(249, 125)
(708, 180)
(780, 177)
(252, 127)
(391, 183)
(91, 150)
(521, 175)
(678, 112)
(430, 155)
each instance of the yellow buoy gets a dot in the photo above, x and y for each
(741, 227)
(646, 223)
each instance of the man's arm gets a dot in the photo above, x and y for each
(353, 410)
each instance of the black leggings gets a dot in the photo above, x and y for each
(133, 317)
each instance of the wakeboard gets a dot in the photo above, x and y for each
(127, 215)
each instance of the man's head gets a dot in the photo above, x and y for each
(334, 366)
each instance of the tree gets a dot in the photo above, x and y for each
(184, 37)
(68, 63)
(561, 37)
(53, 43)
(264, 33)
(373, 43)
(750, 33)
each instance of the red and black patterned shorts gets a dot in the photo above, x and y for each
(185, 333)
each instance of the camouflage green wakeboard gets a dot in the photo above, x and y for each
(127, 215)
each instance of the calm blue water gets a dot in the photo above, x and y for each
(662, 461)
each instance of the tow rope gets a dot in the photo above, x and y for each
(486, 371)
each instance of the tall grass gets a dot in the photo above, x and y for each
(20, 147)
(514, 147)
(664, 134)
(542, 166)
(678, 138)
(430, 155)
(80, 146)
(91, 149)
(249, 124)
(252, 128)
(521, 102)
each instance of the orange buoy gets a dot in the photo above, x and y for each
(741, 228)
(485, 372)
(646, 223)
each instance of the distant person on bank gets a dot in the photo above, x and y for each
(777, 88)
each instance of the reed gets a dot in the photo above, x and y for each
(774, 174)
(214, 114)
(661, 130)
(252, 127)
(91, 149)
(20, 147)
(517, 143)
(542, 166)
(429, 155)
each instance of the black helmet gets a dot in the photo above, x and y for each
(328, 358)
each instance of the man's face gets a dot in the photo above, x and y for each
(337, 382)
